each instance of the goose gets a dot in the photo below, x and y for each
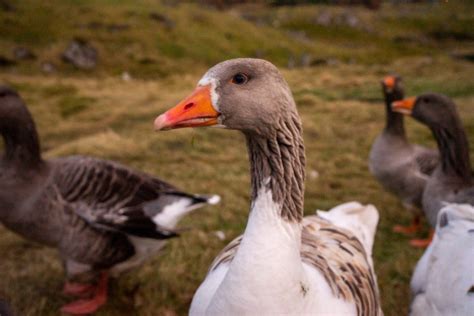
(103, 217)
(443, 281)
(284, 263)
(452, 181)
(400, 167)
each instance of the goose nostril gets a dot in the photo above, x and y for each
(188, 106)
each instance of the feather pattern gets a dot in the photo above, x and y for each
(108, 195)
(338, 254)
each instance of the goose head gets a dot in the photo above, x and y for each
(18, 129)
(250, 95)
(244, 94)
(12, 109)
(435, 110)
(392, 86)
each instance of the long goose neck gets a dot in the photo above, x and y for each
(394, 121)
(278, 164)
(268, 259)
(454, 150)
(22, 147)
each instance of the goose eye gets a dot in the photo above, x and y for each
(240, 78)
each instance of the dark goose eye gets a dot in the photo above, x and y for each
(240, 78)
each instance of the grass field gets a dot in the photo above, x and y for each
(97, 113)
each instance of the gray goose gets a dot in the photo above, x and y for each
(284, 263)
(400, 167)
(452, 181)
(102, 217)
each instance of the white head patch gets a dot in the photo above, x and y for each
(208, 80)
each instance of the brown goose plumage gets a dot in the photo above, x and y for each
(99, 214)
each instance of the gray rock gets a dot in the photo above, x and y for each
(80, 54)
(347, 19)
(324, 18)
(23, 53)
(305, 60)
(48, 67)
(299, 36)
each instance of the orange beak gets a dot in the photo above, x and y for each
(196, 110)
(404, 106)
(389, 82)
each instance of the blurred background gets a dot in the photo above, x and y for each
(96, 73)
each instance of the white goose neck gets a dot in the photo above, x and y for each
(266, 274)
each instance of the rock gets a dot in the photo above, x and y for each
(324, 18)
(350, 19)
(305, 60)
(23, 53)
(162, 19)
(299, 36)
(126, 76)
(6, 62)
(80, 54)
(48, 67)
(347, 19)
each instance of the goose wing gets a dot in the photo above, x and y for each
(343, 261)
(426, 159)
(111, 196)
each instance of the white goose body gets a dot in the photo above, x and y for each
(443, 281)
(284, 263)
(267, 276)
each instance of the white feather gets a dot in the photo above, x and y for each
(209, 80)
(174, 212)
(445, 273)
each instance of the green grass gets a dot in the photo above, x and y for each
(97, 113)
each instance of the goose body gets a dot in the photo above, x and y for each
(400, 167)
(443, 281)
(100, 215)
(452, 181)
(284, 263)
(335, 246)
